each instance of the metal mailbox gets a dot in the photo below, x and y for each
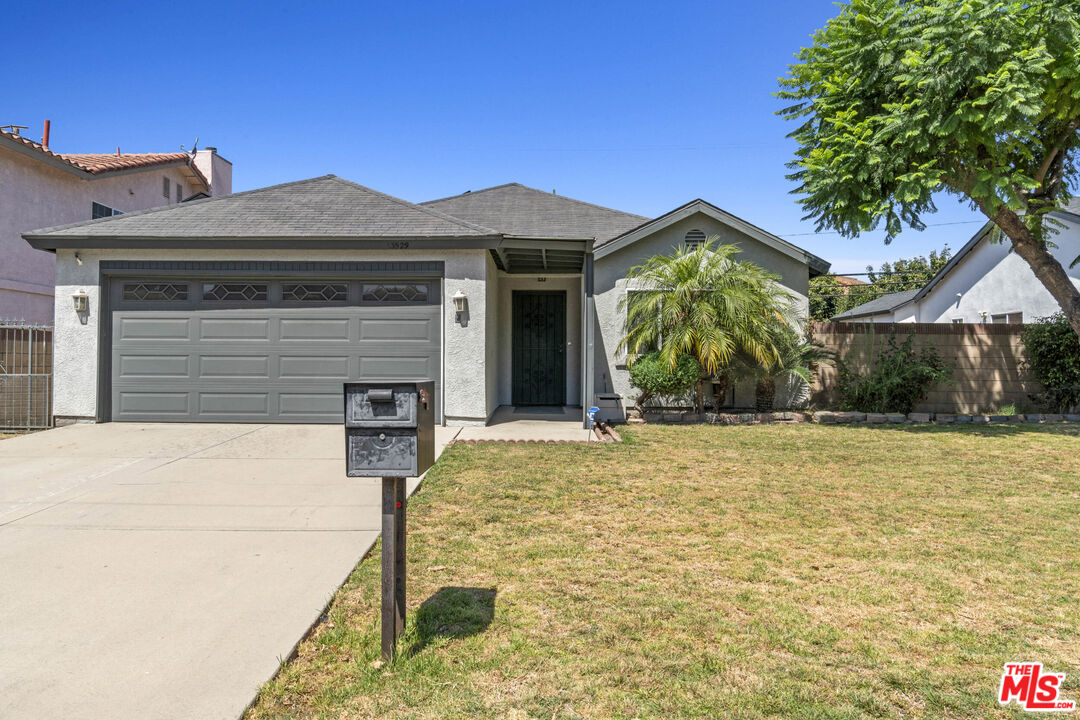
(389, 429)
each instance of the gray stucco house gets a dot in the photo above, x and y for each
(257, 306)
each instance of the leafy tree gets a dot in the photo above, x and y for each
(704, 303)
(829, 298)
(900, 99)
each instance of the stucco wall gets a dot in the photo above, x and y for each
(34, 195)
(491, 348)
(572, 287)
(993, 279)
(75, 380)
(611, 287)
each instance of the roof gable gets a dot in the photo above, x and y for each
(323, 207)
(880, 305)
(817, 265)
(516, 210)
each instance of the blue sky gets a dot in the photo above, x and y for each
(638, 106)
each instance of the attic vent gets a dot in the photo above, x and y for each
(694, 239)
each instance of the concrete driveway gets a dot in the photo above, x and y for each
(164, 570)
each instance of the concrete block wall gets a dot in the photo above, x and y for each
(989, 363)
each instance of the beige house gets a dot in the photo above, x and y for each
(40, 187)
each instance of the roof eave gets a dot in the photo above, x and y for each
(433, 242)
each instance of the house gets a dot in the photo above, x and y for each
(40, 187)
(257, 306)
(985, 282)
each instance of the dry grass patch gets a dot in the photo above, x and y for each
(746, 572)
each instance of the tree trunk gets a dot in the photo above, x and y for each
(1045, 266)
(700, 400)
(765, 394)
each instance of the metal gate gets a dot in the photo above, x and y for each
(26, 359)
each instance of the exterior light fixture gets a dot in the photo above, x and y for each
(461, 302)
(82, 301)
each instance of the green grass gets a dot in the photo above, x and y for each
(699, 572)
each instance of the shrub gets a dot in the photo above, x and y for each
(897, 381)
(1054, 358)
(655, 378)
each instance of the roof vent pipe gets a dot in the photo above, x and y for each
(45, 136)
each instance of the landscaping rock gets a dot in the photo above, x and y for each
(673, 417)
(999, 418)
(944, 418)
(653, 417)
(918, 417)
(1016, 418)
(783, 416)
(977, 419)
(896, 417)
(851, 416)
(1033, 418)
(1072, 418)
(691, 418)
(1053, 417)
(877, 418)
(764, 417)
(963, 418)
(635, 420)
(747, 418)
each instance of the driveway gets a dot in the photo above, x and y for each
(165, 570)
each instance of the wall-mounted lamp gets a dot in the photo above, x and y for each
(82, 302)
(983, 314)
(78, 259)
(461, 308)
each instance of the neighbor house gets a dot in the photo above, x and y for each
(985, 282)
(39, 187)
(257, 306)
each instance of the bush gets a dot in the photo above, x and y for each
(1054, 358)
(898, 380)
(655, 378)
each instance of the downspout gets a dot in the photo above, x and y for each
(587, 328)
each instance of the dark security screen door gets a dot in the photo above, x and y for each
(539, 348)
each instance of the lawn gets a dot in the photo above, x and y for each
(698, 572)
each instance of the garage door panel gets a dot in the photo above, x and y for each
(313, 366)
(262, 363)
(234, 366)
(234, 328)
(152, 328)
(154, 366)
(154, 403)
(309, 328)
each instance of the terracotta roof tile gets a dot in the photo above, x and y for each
(96, 163)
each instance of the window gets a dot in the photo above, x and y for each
(1013, 318)
(694, 239)
(234, 292)
(164, 292)
(958, 321)
(315, 292)
(97, 210)
(395, 293)
(166, 187)
(179, 193)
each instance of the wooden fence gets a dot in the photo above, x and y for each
(988, 360)
(26, 359)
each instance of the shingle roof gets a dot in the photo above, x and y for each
(97, 163)
(326, 206)
(879, 305)
(515, 209)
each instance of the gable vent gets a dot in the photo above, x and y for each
(694, 238)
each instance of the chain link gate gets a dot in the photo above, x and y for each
(26, 359)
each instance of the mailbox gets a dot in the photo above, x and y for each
(389, 428)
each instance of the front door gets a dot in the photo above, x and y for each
(539, 348)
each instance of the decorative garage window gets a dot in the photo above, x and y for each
(315, 292)
(234, 292)
(395, 293)
(163, 292)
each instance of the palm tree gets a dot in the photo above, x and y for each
(796, 357)
(705, 303)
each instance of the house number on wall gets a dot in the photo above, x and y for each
(399, 245)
